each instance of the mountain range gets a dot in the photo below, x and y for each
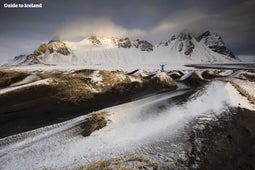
(95, 50)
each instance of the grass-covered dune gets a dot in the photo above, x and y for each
(64, 95)
(9, 77)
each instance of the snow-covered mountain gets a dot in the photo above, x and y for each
(94, 50)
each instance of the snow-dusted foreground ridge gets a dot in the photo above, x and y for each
(133, 127)
(126, 54)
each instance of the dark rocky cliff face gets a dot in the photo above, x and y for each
(186, 46)
(215, 43)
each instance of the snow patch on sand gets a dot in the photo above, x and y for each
(27, 80)
(96, 78)
(9, 89)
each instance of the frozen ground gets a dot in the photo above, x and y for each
(142, 127)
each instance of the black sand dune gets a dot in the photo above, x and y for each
(38, 106)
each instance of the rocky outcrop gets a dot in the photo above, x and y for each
(94, 40)
(53, 46)
(124, 43)
(143, 45)
(215, 43)
(19, 57)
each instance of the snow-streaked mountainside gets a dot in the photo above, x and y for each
(104, 51)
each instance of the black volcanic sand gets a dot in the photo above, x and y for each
(38, 106)
(228, 143)
(230, 66)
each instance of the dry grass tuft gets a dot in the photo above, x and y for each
(45, 75)
(98, 165)
(95, 122)
(133, 163)
(72, 88)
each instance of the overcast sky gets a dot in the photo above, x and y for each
(23, 30)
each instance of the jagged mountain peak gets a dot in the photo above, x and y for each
(184, 36)
(143, 45)
(51, 47)
(212, 38)
(183, 41)
(203, 35)
(215, 43)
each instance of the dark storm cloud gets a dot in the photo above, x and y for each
(236, 24)
(22, 30)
